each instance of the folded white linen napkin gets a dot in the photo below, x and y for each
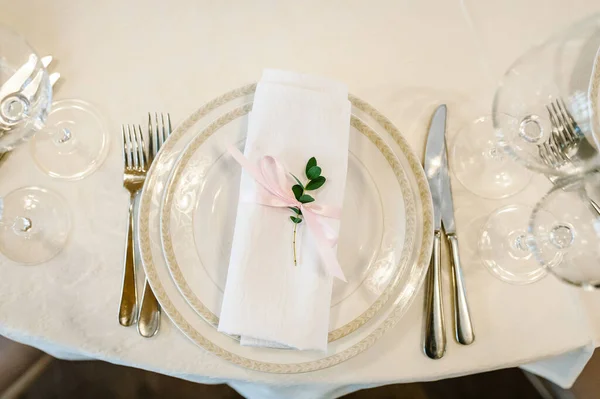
(268, 301)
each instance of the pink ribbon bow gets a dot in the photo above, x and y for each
(271, 175)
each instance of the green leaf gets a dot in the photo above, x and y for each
(313, 172)
(316, 183)
(295, 219)
(305, 199)
(298, 190)
(295, 210)
(311, 162)
(297, 180)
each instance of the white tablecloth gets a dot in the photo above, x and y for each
(404, 57)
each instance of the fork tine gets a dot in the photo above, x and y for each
(144, 148)
(542, 154)
(551, 155)
(558, 128)
(124, 145)
(53, 78)
(158, 132)
(551, 159)
(134, 147)
(570, 124)
(140, 146)
(562, 124)
(560, 137)
(154, 133)
(46, 60)
(558, 153)
(169, 125)
(163, 128)
(151, 141)
(129, 147)
(553, 119)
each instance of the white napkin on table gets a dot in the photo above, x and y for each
(268, 301)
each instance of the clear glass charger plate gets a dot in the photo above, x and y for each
(406, 273)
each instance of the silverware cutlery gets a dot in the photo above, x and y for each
(134, 159)
(435, 331)
(566, 144)
(149, 317)
(436, 169)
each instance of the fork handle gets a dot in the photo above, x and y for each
(149, 318)
(128, 305)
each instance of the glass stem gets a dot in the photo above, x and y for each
(66, 136)
(520, 243)
(21, 225)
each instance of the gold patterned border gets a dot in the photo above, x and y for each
(148, 195)
(175, 178)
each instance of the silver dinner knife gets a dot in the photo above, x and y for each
(463, 327)
(435, 332)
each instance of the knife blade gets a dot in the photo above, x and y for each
(462, 320)
(435, 332)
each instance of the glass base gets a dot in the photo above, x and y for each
(481, 166)
(34, 225)
(504, 246)
(574, 234)
(74, 142)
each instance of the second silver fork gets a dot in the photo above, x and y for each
(149, 316)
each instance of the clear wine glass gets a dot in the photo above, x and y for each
(544, 116)
(557, 74)
(35, 222)
(74, 141)
(481, 166)
(504, 245)
(574, 230)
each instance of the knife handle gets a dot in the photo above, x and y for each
(462, 318)
(435, 332)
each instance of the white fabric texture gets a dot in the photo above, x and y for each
(399, 56)
(267, 298)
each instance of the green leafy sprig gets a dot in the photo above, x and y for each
(316, 180)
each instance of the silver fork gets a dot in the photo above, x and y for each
(149, 318)
(134, 158)
(566, 144)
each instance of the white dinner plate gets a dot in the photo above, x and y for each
(204, 134)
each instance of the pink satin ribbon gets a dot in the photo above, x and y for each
(271, 175)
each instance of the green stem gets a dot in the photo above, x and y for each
(294, 242)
